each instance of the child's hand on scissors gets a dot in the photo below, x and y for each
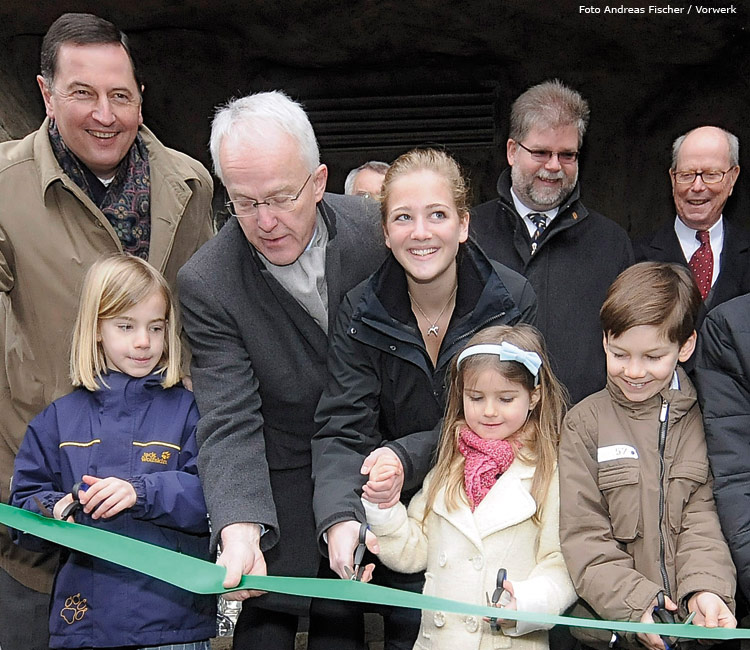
(507, 601)
(60, 507)
(654, 641)
(106, 497)
(502, 597)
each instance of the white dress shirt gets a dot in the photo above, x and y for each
(524, 212)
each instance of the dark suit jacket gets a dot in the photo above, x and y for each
(259, 367)
(579, 256)
(734, 273)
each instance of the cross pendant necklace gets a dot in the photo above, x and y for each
(434, 330)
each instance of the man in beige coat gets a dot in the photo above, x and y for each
(91, 181)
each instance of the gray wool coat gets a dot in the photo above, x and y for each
(258, 368)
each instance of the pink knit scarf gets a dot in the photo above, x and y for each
(486, 461)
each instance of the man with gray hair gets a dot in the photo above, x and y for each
(539, 227)
(366, 180)
(705, 167)
(257, 303)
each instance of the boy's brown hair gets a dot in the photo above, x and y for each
(652, 293)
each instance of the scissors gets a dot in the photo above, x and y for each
(502, 575)
(359, 554)
(663, 615)
(71, 509)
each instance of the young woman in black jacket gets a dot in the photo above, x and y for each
(390, 348)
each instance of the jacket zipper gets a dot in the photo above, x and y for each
(465, 335)
(474, 330)
(663, 418)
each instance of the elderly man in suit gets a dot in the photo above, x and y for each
(257, 303)
(705, 167)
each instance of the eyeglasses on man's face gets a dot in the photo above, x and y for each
(278, 203)
(544, 156)
(709, 177)
(367, 195)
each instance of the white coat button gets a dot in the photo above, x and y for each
(442, 558)
(477, 562)
(392, 347)
(439, 619)
(472, 625)
(353, 330)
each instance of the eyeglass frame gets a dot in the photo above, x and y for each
(696, 174)
(549, 154)
(368, 195)
(255, 204)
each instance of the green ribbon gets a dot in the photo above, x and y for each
(203, 577)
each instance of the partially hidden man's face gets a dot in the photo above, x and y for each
(368, 182)
(543, 186)
(96, 103)
(268, 166)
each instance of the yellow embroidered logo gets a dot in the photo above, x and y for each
(151, 457)
(75, 608)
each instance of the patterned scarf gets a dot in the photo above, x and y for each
(126, 202)
(486, 461)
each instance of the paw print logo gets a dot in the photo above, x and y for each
(75, 608)
(165, 455)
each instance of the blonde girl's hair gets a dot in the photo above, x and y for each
(433, 160)
(538, 438)
(113, 285)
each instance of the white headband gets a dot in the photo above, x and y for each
(507, 352)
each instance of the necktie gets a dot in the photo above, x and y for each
(702, 263)
(540, 221)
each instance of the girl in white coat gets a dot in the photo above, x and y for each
(492, 499)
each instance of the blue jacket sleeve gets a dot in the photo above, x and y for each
(174, 498)
(37, 482)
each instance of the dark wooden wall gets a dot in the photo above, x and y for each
(380, 76)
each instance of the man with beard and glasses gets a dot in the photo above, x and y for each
(539, 227)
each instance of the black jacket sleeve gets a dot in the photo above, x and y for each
(346, 418)
(722, 376)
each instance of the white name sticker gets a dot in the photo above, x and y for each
(615, 452)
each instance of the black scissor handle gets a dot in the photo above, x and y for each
(359, 554)
(73, 507)
(502, 576)
(662, 615)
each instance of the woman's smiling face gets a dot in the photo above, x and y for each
(423, 228)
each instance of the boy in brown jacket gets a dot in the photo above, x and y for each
(637, 515)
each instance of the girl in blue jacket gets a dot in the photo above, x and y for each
(126, 436)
